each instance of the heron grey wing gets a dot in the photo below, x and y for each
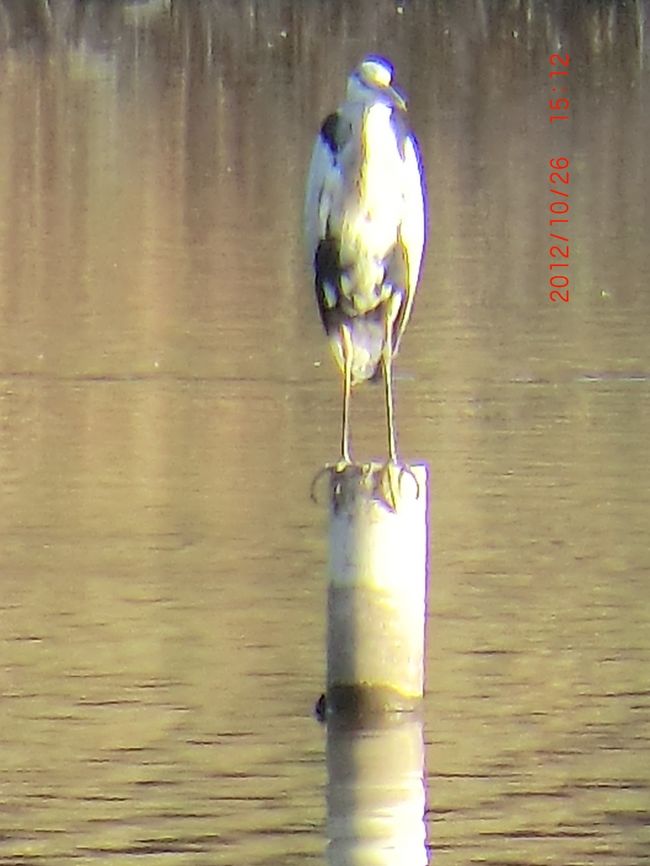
(412, 230)
(413, 227)
(316, 199)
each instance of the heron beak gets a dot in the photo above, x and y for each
(400, 100)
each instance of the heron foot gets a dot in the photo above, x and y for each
(329, 469)
(385, 482)
(385, 488)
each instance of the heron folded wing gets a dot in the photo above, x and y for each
(413, 227)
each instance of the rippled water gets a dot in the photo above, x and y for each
(166, 396)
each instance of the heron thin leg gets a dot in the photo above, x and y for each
(394, 470)
(388, 486)
(346, 344)
(387, 364)
(390, 420)
(387, 476)
(334, 469)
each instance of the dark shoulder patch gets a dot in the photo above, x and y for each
(330, 132)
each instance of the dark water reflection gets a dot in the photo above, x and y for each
(166, 395)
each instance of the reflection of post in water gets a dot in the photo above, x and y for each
(375, 792)
(377, 588)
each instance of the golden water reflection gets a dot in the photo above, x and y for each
(166, 396)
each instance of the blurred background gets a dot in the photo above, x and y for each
(167, 396)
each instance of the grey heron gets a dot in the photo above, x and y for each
(365, 232)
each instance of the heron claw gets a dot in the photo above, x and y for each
(382, 481)
(386, 488)
(405, 469)
(328, 469)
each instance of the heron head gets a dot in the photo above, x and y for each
(373, 76)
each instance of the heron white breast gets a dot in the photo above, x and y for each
(373, 222)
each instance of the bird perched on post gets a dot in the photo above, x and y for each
(365, 230)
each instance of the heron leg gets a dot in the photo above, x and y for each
(390, 420)
(387, 480)
(386, 488)
(394, 470)
(387, 366)
(333, 469)
(346, 344)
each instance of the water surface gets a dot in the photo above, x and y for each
(166, 396)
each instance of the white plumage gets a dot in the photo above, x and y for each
(365, 230)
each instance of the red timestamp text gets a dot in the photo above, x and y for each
(559, 254)
(560, 84)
